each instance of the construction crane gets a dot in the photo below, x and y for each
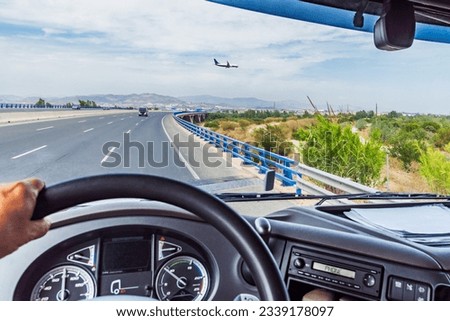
(312, 104)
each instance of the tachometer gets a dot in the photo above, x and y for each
(64, 283)
(182, 278)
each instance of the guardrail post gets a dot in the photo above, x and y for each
(298, 189)
(235, 148)
(287, 173)
(248, 156)
(225, 144)
(211, 135)
(217, 140)
(262, 160)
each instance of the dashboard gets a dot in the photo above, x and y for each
(157, 251)
(130, 260)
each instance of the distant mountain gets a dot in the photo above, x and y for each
(134, 100)
(249, 102)
(148, 99)
(10, 99)
(230, 102)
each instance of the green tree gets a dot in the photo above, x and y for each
(406, 149)
(335, 149)
(40, 103)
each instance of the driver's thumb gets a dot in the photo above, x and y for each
(38, 228)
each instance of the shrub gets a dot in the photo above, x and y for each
(229, 125)
(273, 139)
(442, 137)
(407, 150)
(337, 150)
(213, 124)
(244, 123)
(435, 168)
(361, 124)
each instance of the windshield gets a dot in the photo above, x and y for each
(216, 97)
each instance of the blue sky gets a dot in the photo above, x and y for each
(62, 48)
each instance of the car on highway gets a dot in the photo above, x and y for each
(143, 111)
(167, 208)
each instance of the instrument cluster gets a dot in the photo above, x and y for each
(140, 262)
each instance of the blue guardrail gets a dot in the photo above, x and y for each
(251, 155)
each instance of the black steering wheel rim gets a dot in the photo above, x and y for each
(236, 229)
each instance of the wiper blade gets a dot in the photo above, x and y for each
(243, 197)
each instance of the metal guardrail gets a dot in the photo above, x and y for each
(288, 171)
(337, 182)
(33, 106)
(30, 106)
(251, 155)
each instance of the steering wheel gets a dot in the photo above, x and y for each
(236, 229)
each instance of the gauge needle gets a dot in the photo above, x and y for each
(63, 286)
(182, 282)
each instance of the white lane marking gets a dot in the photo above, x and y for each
(88, 130)
(110, 123)
(82, 121)
(29, 152)
(188, 166)
(129, 131)
(50, 127)
(107, 155)
(137, 123)
(122, 118)
(101, 117)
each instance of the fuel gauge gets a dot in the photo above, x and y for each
(182, 278)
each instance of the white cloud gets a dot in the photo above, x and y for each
(167, 46)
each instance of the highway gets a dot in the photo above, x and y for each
(64, 149)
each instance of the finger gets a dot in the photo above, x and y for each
(35, 183)
(38, 228)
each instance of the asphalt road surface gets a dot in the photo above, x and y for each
(64, 149)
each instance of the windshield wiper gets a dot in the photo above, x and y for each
(248, 197)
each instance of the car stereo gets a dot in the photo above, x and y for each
(333, 272)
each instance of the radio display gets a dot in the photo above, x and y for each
(334, 270)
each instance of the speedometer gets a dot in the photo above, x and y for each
(64, 283)
(182, 278)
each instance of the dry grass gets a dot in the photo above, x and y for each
(402, 181)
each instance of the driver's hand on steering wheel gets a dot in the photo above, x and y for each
(17, 202)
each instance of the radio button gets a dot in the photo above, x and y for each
(299, 263)
(369, 280)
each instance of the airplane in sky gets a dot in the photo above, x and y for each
(227, 65)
